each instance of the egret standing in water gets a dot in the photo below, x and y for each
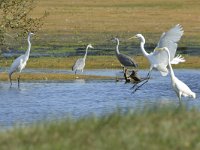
(125, 60)
(20, 62)
(179, 87)
(80, 63)
(159, 60)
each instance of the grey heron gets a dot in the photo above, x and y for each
(20, 62)
(125, 60)
(80, 63)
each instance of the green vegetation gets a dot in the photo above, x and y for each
(158, 128)
(15, 18)
(94, 62)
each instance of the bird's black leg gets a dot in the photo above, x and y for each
(134, 86)
(18, 79)
(138, 87)
(10, 80)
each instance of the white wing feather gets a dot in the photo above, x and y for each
(169, 40)
(16, 64)
(177, 59)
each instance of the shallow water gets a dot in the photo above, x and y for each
(36, 101)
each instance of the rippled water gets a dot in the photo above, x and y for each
(35, 101)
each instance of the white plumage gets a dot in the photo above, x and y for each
(80, 63)
(179, 87)
(158, 59)
(20, 62)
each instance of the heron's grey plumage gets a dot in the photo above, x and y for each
(125, 60)
(80, 63)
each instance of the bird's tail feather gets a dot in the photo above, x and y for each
(178, 59)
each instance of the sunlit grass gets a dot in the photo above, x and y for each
(49, 76)
(95, 21)
(95, 62)
(159, 128)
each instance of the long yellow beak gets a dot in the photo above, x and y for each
(134, 37)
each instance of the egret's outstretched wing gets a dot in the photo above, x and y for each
(169, 39)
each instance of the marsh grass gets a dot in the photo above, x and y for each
(94, 62)
(157, 128)
(48, 76)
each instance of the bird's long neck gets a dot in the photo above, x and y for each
(142, 47)
(117, 47)
(85, 53)
(29, 47)
(170, 66)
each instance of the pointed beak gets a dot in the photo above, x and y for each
(134, 37)
(92, 47)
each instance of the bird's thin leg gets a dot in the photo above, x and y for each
(75, 72)
(138, 87)
(134, 86)
(18, 79)
(10, 79)
(147, 80)
(10, 83)
(141, 85)
(149, 73)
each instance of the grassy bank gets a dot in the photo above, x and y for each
(163, 128)
(47, 76)
(94, 62)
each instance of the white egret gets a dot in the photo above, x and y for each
(179, 87)
(80, 63)
(125, 60)
(159, 60)
(20, 62)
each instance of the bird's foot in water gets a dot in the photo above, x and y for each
(135, 89)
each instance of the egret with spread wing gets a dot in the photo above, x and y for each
(125, 60)
(20, 63)
(80, 63)
(179, 87)
(159, 60)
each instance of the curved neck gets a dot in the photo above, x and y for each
(142, 46)
(29, 47)
(170, 66)
(85, 53)
(117, 47)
